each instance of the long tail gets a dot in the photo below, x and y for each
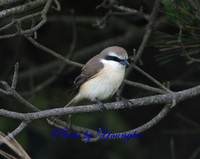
(72, 101)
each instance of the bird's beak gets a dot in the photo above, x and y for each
(125, 62)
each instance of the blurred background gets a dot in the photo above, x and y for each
(81, 30)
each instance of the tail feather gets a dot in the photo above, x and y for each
(73, 101)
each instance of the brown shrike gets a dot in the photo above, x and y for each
(101, 76)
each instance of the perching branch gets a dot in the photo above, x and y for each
(138, 102)
(118, 105)
(167, 99)
(157, 99)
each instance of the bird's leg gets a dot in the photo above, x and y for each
(127, 102)
(102, 107)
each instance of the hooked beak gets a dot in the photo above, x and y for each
(125, 62)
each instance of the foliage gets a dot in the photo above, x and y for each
(184, 14)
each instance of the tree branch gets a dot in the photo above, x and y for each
(170, 98)
(23, 8)
(8, 2)
(144, 86)
(151, 78)
(144, 101)
(130, 11)
(17, 22)
(148, 30)
(15, 132)
(53, 53)
(144, 127)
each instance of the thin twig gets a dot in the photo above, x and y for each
(195, 153)
(148, 32)
(108, 4)
(188, 121)
(145, 126)
(191, 59)
(15, 132)
(172, 149)
(74, 36)
(53, 53)
(14, 82)
(19, 21)
(62, 66)
(196, 5)
(89, 50)
(149, 29)
(58, 6)
(26, 120)
(151, 78)
(144, 86)
(102, 22)
(4, 91)
(23, 8)
(129, 11)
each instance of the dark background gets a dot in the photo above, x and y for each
(175, 129)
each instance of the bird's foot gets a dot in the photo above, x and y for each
(127, 102)
(102, 106)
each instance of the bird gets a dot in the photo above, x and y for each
(101, 76)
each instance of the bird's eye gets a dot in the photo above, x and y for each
(113, 58)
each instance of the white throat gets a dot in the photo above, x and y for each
(114, 64)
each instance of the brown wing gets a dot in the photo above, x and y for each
(91, 68)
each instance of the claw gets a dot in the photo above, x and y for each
(127, 102)
(102, 107)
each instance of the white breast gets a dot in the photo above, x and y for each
(105, 83)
